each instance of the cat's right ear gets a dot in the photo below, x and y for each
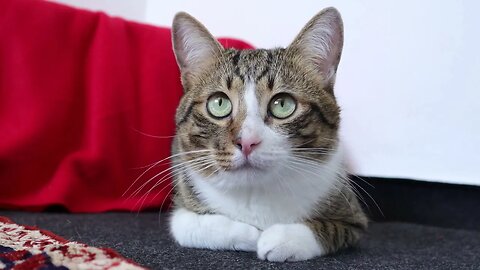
(320, 42)
(195, 48)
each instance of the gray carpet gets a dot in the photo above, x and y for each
(144, 238)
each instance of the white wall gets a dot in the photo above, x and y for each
(408, 82)
(129, 9)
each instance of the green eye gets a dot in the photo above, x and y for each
(282, 106)
(219, 105)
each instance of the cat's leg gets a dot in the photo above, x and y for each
(212, 231)
(303, 241)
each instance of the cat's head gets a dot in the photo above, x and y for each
(248, 113)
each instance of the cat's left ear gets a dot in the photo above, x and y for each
(195, 48)
(321, 41)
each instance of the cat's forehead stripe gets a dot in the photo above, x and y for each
(236, 57)
(254, 64)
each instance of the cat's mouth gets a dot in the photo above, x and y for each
(248, 165)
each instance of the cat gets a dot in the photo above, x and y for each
(256, 156)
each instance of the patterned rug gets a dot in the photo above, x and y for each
(24, 247)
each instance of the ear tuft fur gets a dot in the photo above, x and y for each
(320, 42)
(194, 46)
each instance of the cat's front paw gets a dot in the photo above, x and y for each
(212, 231)
(288, 242)
(244, 236)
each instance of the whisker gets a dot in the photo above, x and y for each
(176, 171)
(310, 160)
(158, 174)
(157, 136)
(319, 138)
(215, 171)
(168, 194)
(370, 196)
(365, 181)
(172, 156)
(312, 148)
(307, 142)
(175, 174)
(153, 136)
(346, 181)
(162, 160)
(316, 175)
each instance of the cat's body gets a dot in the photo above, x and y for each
(258, 164)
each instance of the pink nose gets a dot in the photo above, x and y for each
(247, 145)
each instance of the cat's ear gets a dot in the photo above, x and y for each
(320, 42)
(195, 48)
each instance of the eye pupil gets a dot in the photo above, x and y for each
(282, 102)
(220, 100)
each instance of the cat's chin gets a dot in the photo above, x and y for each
(248, 174)
(241, 178)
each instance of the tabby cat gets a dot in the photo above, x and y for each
(257, 158)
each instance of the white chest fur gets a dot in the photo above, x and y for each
(286, 196)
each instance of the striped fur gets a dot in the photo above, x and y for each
(305, 70)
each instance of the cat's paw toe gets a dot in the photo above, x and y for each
(288, 242)
(245, 237)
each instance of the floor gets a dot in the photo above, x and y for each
(144, 238)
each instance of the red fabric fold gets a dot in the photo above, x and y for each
(78, 92)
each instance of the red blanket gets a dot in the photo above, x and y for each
(26, 248)
(78, 92)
